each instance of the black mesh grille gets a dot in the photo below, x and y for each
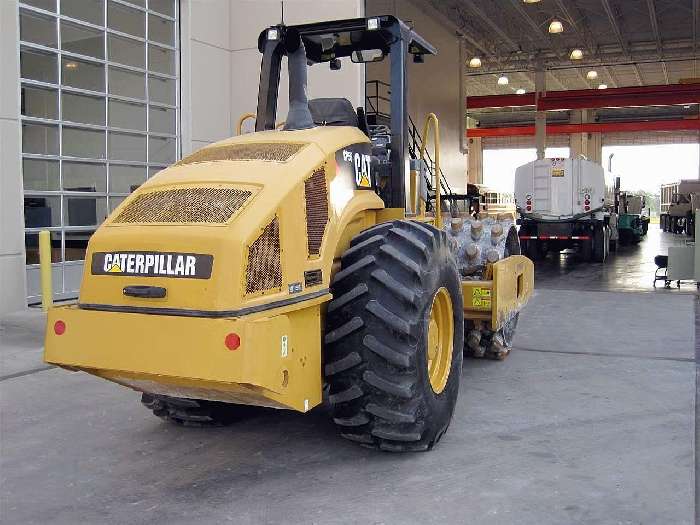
(264, 271)
(184, 205)
(316, 201)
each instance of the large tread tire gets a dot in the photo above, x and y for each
(194, 412)
(376, 337)
(600, 246)
(512, 246)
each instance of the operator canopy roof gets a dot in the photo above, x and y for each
(325, 41)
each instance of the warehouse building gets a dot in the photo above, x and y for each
(516, 312)
(98, 97)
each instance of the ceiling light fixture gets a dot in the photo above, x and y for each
(71, 65)
(531, 1)
(592, 74)
(520, 91)
(503, 80)
(576, 54)
(555, 26)
(475, 62)
(602, 86)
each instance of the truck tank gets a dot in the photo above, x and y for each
(558, 189)
(566, 203)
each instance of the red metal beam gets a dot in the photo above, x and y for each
(501, 101)
(638, 96)
(594, 127)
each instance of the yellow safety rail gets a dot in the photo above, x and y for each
(244, 117)
(436, 172)
(45, 269)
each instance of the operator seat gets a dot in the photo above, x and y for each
(337, 112)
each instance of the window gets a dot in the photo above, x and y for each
(100, 115)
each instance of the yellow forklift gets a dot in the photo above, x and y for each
(270, 267)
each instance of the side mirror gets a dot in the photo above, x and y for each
(362, 56)
(335, 64)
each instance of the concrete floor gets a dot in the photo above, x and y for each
(590, 420)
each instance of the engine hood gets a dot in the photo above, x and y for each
(199, 229)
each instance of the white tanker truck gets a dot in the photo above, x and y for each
(566, 203)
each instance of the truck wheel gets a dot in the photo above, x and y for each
(535, 250)
(194, 412)
(600, 244)
(586, 250)
(394, 336)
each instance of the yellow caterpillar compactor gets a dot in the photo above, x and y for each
(273, 266)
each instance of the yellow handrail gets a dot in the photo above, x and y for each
(436, 172)
(45, 269)
(244, 117)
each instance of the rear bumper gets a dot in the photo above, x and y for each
(498, 300)
(278, 362)
(569, 231)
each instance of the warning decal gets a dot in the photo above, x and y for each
(355, 162)
(481, 297)
(557, 167)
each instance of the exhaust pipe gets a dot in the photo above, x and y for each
(299, 116)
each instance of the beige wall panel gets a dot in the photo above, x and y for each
(249, 17)
(211, 92)
(12, 274)
(305, 11)
(12, 284)
(9, 88)
(199, 144)
(245, 75)
(434, 86)
(11, 215)
(210, 21)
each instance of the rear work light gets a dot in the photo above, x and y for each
(59, 328)
(372, 24)
(232, 341)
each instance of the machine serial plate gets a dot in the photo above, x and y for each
(153, 264)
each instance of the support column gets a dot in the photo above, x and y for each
(587, 144)
(475, 161)
(540, 116)
(13, 293)
(595, 147)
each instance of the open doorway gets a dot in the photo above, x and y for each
(644, 168)
(500, 165)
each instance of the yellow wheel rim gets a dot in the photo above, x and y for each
(440, 337)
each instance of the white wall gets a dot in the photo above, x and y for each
(221, 62)
(12, 275)
(434, 86)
